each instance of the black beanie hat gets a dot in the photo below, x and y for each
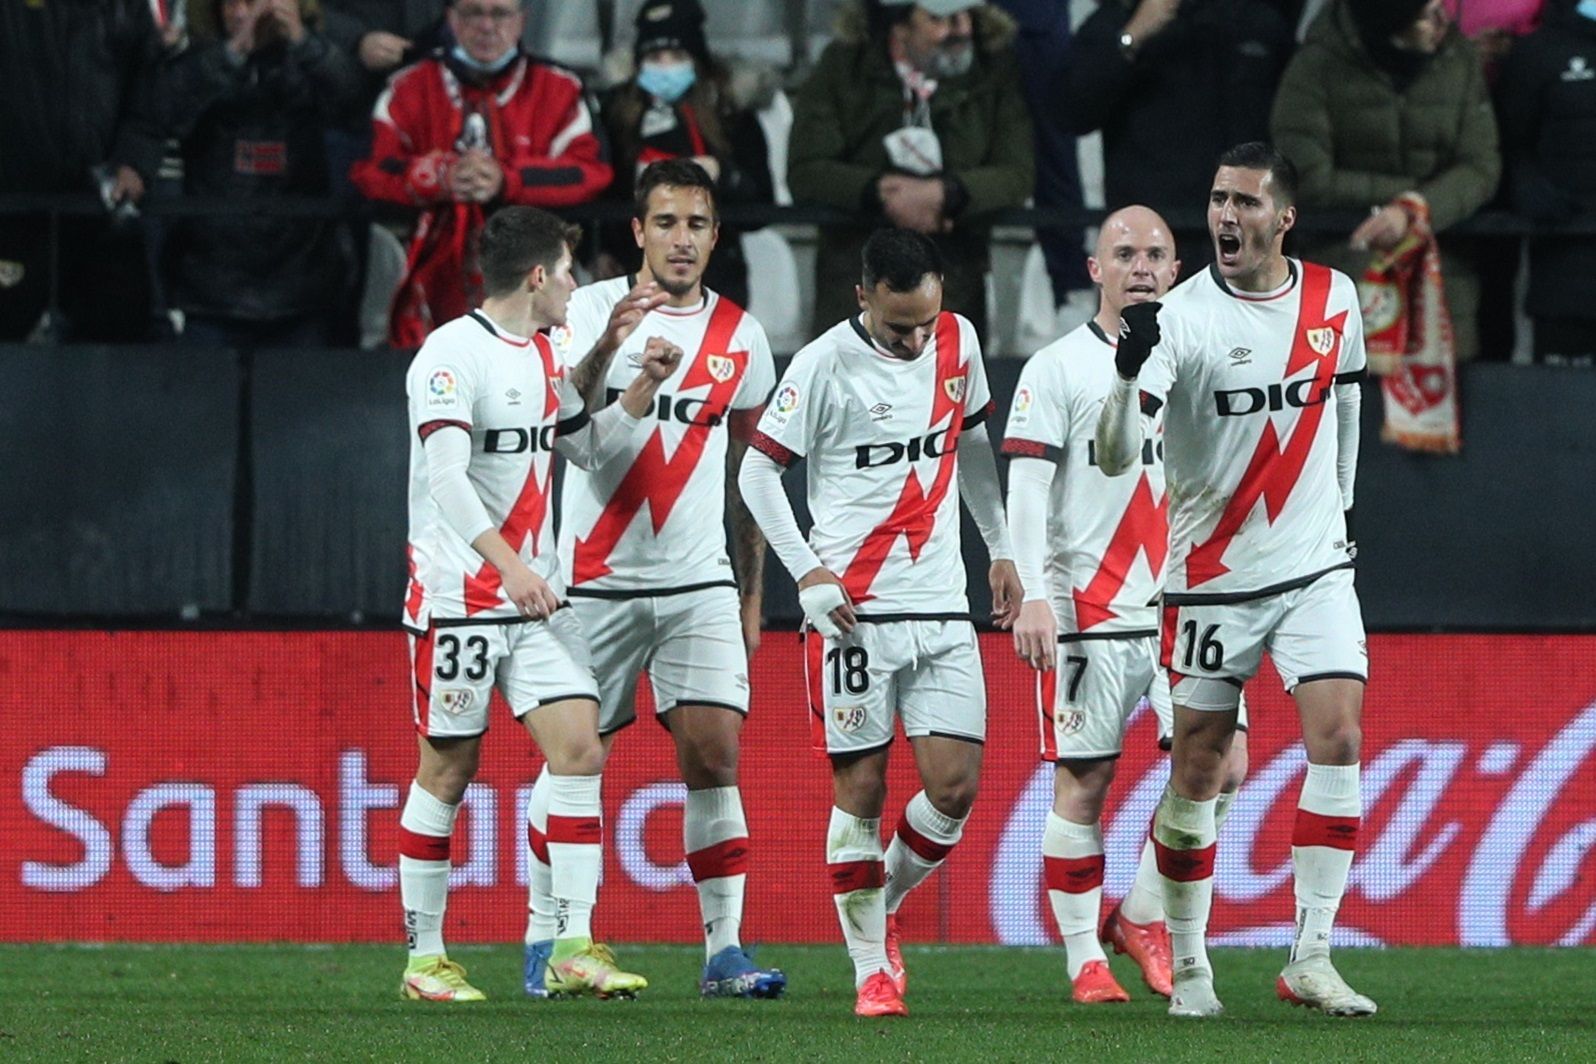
(1380, 19)
(672, 24)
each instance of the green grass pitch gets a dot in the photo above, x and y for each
(243, 1003)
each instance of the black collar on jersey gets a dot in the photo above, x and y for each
(482, 320)
(1291, 279)
(1097, 331)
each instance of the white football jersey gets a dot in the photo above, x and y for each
(1250, 429)
(1107, 536)
(510, 393)
(881, 438)
(651, 519)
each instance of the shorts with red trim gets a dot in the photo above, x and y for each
(455, 667)
(1314, 632)
(1086, 700)
(690, 643)
(926, 671)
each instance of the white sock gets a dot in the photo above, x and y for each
(1072, 858)
(425, 826)
(1144, 902)
(1329, 811)
(715, 837)
(540, 886)
(1183, 837)
(924, 837)
(854, 860)
(576, 835)
(1222, 806)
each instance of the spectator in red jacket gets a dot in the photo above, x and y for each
(472, 128)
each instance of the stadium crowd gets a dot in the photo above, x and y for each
(928, 116)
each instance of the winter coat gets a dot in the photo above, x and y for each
(1548, 86)
(533, 119)
(252, 129)
(1201, 85)
(1358, 142)
(75, 91)
(854, 98)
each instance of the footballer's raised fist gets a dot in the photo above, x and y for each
(660, 358)
(1138, 335)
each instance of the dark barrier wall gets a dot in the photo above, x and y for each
(118, 481)
(330, 458)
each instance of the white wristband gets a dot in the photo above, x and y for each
(818, 600)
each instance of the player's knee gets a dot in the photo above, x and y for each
(710, 765)
(953, 797)
(1338, 742)
(446, 781)
(579, 757)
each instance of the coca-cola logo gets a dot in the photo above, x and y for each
(1495, 825)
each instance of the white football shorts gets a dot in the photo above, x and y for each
(1164, 709)
(926, 671)
(1088, 697)
(690, 644)
(1313, 632)
(456, 667)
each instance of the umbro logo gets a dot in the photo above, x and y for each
(514, 396)
(1241, 356)
(881, 412)
(635, 360)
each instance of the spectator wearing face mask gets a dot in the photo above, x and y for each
(683, 103)
(914, 116)
(463, 132)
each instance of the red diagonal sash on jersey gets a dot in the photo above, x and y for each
(1274, 470)
(915, 514)
(653, 478)
(531, 507)
(1143, 527)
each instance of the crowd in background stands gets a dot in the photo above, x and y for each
(928, 115)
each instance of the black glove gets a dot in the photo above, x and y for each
(1138, 335)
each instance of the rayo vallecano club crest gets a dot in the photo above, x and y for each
(954, 386)
(721, 368)
(1323, 341)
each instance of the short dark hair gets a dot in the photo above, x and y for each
(1258, 155)
(899, 259)
(672, 173)
(515, 240)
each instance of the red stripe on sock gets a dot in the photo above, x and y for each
(925, 848)
(576, 829)
(538, 842)
(1073, 875)
(1314, 829)
(423, 847)
(729, 858)
(856, 875)
(1184, 866)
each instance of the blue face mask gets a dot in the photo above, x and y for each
(667, 81)
(463, 57)
(1587, 8)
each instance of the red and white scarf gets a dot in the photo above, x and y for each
(1408, 333)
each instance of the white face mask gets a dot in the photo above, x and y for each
(463, 57)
